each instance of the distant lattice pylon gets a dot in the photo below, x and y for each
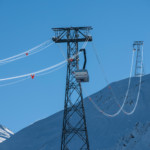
(139, 68)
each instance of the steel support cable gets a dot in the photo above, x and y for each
(99, 109)
(128, 86)
(28, 51)
(34, 73)
(121, 106)
(129, 83)
(31, 53)
(138, 95)
(41, 74)
(99, 62)
(40, 71)
(25, 56)
(38, 49)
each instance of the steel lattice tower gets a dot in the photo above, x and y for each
(74, 122)
(139, 68)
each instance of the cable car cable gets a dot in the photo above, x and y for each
(29, 52)
(14, 59)
(106, 79)
(128, 84)
(138, 95)
(40, 71)
(45, 73)
(37, 72)
(99, 109)
(23, 54)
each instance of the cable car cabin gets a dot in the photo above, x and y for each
(82, 76)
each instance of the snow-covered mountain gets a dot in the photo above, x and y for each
(120, 133)
(4, 133)
(139, 138)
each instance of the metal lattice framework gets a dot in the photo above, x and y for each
(138, 46)
(74, 131)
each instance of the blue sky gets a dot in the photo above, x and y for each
(25, 24)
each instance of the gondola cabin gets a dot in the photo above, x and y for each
(82, 75)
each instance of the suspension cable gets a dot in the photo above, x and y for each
(129, 83)
(28, 51)
(138, 95)
(32, 51)
(24, 55)
(40, 71)
(99, 109)
(41, 74)
(34, 73)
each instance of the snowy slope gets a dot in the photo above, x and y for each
(119, 133)
(4, 133)
(137, 139)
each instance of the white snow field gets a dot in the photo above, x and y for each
(4, 133)
(119, 133)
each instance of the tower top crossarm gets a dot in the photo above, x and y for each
(72, 28)
(72, 34)
(138, 43)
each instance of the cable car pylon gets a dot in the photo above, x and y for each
(139, 67)
(74, 130)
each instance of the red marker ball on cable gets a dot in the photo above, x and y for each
(32, 76)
